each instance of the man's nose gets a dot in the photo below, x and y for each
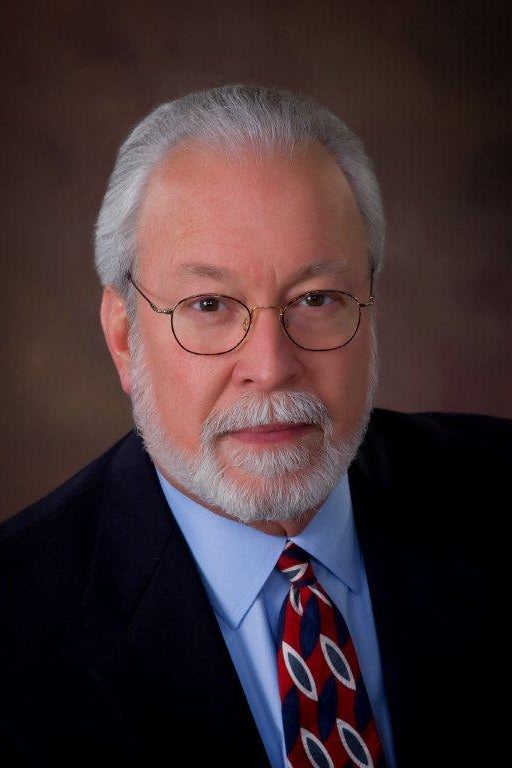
(267, 358)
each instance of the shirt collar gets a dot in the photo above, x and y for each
(330, 537)
(235, 560)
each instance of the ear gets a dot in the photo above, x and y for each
(114, 321)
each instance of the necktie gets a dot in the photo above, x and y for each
(327, 717)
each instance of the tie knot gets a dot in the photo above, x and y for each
(294, 563)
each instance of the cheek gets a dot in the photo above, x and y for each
(344, 381)
(186, 388)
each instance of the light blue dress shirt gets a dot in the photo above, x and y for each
(237, 563)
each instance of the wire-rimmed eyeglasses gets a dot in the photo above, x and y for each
(214, 324)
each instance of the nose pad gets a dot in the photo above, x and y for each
(246, 323)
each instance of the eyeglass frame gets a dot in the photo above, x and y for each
(282, 309)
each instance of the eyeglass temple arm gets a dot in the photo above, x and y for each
(371, 300)
(169, 311)
(153, 306)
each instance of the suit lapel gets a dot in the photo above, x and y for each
(403, 577)
(168, 663)
(382, 558)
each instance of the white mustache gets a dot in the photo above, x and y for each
(256, 409)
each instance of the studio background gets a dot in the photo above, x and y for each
(427, 87)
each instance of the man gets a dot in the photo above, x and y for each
(142, 620)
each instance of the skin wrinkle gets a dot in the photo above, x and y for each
(275, 485)
(186, 273)
(190, 223)
(328, 268)
(204, 477)
(228, 284)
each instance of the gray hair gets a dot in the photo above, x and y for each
(229, 116)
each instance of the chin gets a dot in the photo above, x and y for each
(271, 484)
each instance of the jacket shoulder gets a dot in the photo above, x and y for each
(442, 427)
(404, 448)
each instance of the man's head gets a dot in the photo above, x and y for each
(261, 196)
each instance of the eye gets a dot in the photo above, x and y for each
(207, 304)
(316, 299)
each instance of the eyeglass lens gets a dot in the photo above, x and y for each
(214, 324)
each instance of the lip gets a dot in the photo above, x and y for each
(277, 432)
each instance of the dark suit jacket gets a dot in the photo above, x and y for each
(111, 654)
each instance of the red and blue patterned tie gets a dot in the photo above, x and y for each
(327, 717)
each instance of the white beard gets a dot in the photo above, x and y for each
(270, 484)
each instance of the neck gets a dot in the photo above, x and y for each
(287, 528)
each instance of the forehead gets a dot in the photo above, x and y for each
(256, 206)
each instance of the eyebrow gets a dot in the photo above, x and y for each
(220, 274)
(319, 268)
(198, 269)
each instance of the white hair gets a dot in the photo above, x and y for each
(280, 483)
(230, 117)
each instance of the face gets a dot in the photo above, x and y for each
(264, 416)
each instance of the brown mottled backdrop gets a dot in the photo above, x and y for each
(426, 84)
